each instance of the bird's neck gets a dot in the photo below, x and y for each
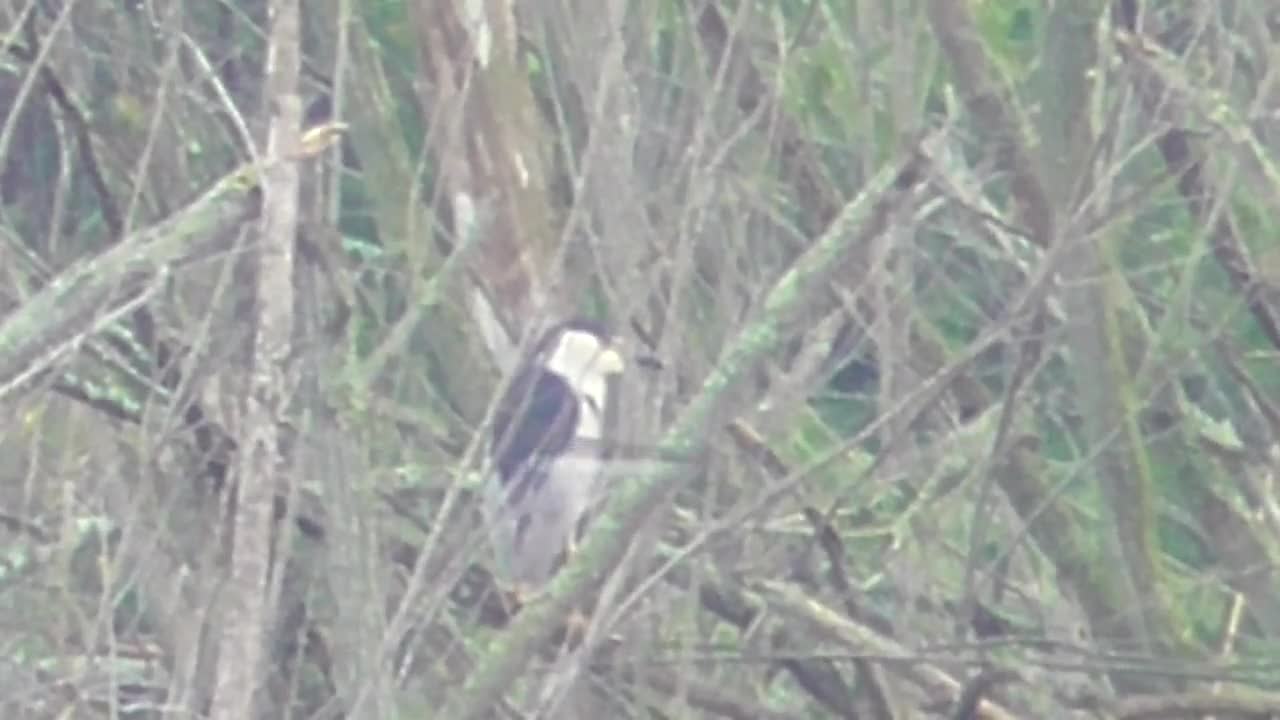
(591, 411)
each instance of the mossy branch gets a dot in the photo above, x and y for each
(86, 297)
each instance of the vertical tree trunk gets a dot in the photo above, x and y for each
(261, 465)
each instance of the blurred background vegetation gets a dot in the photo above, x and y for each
(1016, 454)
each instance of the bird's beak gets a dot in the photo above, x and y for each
(611, 361)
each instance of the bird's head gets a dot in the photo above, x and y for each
(559, 392)
(583, 353)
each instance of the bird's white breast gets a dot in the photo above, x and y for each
(553, 505)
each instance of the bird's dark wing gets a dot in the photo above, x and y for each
(537, 417)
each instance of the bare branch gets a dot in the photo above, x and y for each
(262, 467)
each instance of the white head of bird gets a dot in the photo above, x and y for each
(585, 358)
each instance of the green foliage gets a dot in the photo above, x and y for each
(1012, 32)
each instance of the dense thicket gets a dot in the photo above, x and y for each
(969, 315)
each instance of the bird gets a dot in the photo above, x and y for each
(546, 452)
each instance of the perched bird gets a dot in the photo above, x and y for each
(546, 452)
